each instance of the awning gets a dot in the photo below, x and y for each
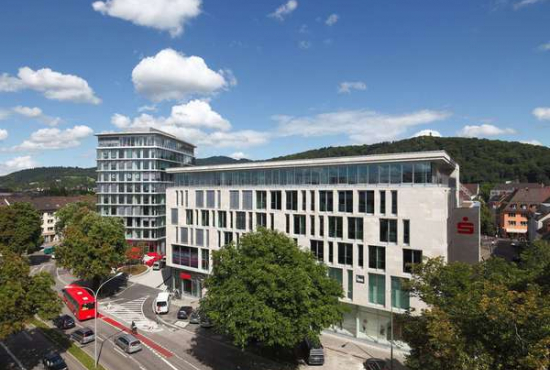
(185, 276)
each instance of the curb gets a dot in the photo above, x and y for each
(138, 275)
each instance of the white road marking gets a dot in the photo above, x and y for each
(169, 364)
(131, 311)
(27, 335)
(120, 351)
(59, 277)
(12, 356)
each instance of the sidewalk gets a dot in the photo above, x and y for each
(151, 278)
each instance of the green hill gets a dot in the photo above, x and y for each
(480, 160)
(48, 178)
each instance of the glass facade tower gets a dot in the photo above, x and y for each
(132, 181)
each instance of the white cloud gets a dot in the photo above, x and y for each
(427, 133)
(164, 15)
(238, 155)
(532, 142)
(36, 113)
(54, 138)
(346, 86)
(170, 75)
(544, 47)
(332, 19)
(523, 3)
(3, 134)
(281, 12)
(147, 108)
(17, 164)
(53, 85)
(121, 121)
(542, 113)
(304, 45)
(484, 130)
(362, 126)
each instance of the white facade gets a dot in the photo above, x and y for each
(371, 242)
(48, 227)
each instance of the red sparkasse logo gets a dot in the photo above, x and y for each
(465, 227)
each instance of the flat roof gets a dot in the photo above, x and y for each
(144, 132)
(439, 155)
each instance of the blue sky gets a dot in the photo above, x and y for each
(267, 78)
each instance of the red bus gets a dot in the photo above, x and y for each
(79, 301)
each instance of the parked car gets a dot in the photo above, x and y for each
(150, 258)
(205, 321)
(158, 265)
(162, 303)
(128, 343)
(84, 335)
(64, 322)
(184, 312)
(313, 353)
(53, 361)
(376, 364)
(195, 317)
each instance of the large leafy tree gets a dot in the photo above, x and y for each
(92, 245)
(492, 315)
(20, 228)
(72, 212)
(267, 290)
(22, 296)
(487, 221)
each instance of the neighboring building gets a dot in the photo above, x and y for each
(47, 206)
(132, 180)
(515, 213)
(510, 187)
(469, 194)
(368, 218)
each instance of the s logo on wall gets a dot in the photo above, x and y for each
(464, 235)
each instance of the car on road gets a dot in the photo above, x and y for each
(313, 353)
(184, 312)
(376, 364)
(158, 265)
(64, 322)
(53, 361)
(162, 303)
(83, 336)
(128, 343)
(195, 317)
(205, 321)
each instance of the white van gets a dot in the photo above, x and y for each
(162, 303)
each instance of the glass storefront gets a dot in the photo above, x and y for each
(188, 283)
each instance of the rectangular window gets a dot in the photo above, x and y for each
(366, 201)
(199, 198)
(330, 252)
(335, 227)
(184, 231)
(312, 225)
(291, 200)
(407, 173)
(250, 221)
(300, 224)
(377, 289)
(189, 217)
(336, 274)
(210, 199)
(227, 237)
(185, 256)
(174, 214)
(377, 257)
(345, 254)
(312, 199)
(247, 199)
(388, 230)
(304, 197)
(355, 228)
(321, 226)
(199, 237)
(350, 284)
(234, 199)
(261, 220)
(317, 248)
(287, 219)
(205, 219)
(222, 219)
(261, 199)
(383, 202)
(411, 257)
(276, 202)
(406, 232)
(241, 221)
(399, 297)
(345, 201)
(384, 173)
(326, 201)
(360, 256)
(205, 259)
(272, 220)
(394, 202)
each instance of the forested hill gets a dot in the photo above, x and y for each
(49, 177)
(480, 160)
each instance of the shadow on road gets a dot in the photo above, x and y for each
(111, 288)
(38, 259)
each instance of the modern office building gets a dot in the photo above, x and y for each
(132, 180)
(368, 218)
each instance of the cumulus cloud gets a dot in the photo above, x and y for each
(332, 19)
(542, 113)
(36, 113)
(484, 130)
(3, 134)
(147, 108)
(284, 10)
(164, 15)
(427, 133)
(170, 75)
(524, 3)
(361, 126)
(347, 86)
(532, 142)
(53, 85)
(17, 164)
(238, 155)
(54, 138)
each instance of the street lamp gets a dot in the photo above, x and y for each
(96, 293)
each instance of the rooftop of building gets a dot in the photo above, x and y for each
(147, 131)
(510, 186)
(46, 203)
(439, 156)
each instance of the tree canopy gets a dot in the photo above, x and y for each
(267, 290)
(22, 296)
(20, 228)
(493, 315)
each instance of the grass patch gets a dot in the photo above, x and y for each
(133, 269)
(65, 343)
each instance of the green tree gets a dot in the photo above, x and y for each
(267, 290)
(22, 296)
(92, 246)
(72, 212)
(20, 228)
(487, 221)
(492, 315)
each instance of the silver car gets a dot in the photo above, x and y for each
(83, 336)
(128, 343)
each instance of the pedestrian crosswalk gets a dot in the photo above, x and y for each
(130, 311)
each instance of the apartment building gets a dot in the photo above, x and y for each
(368, 218)
(518, 209)
(132, 180)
